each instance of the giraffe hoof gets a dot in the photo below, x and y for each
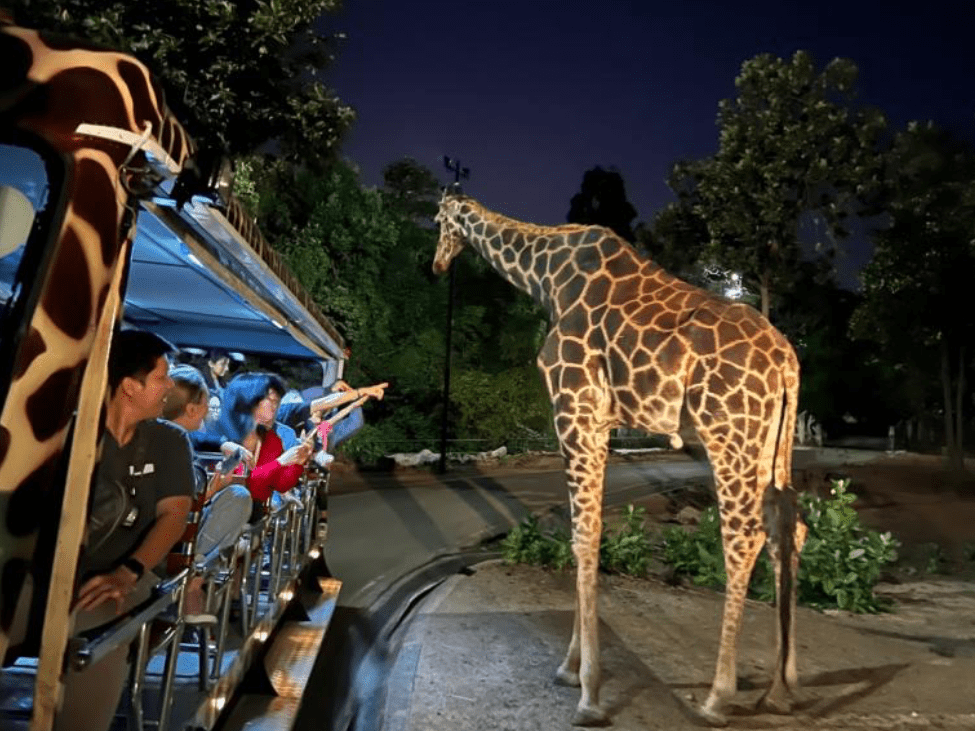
(779, 703)
(567, 677)
(590, 716)
(712, 716)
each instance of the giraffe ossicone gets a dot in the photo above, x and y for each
(631, 345)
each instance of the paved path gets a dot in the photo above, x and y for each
(379, 534)
(383, 525)
(393, 535)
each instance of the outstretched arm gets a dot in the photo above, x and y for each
(345, 396)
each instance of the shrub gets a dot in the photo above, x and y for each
(526, 543)
(627, 550)
(841, 561)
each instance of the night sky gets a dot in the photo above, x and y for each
(529, 94)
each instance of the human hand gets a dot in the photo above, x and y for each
(217, 483)
(229, 448)
(377, 392)
(113, 586)
(340, 386)
(298, 454)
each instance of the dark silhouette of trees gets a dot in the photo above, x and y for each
(602, 201)
(239, 75)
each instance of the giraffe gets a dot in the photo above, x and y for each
(631, 345)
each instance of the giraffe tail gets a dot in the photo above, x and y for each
(786, 531)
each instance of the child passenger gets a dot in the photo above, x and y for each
(228, 506)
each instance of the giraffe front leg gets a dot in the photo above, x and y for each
(568, 672)
(584, 648)
(585, 453)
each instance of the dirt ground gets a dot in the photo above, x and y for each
(912, 668)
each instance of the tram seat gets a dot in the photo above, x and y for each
(164, 634)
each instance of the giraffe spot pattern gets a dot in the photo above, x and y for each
(44, 406)
(4, 442)
(70, 305)
(31, 346)
(27, 502)
(631, 343)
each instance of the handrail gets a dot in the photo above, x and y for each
(125, 628)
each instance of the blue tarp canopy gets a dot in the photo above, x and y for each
(194, 279)
(234, 303)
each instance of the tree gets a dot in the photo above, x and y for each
(367, 262)
(238, 74)
(917, 286)
(602, 201)
(413, 188)
(790, 147)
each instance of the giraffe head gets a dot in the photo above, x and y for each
(452, 237)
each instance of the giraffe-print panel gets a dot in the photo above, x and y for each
(48, 88)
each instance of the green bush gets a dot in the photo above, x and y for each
(697, 555)
(841, 561)
(527, 544)
(625, 550)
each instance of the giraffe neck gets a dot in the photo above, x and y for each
(539, 260)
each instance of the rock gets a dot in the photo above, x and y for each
(689, 515)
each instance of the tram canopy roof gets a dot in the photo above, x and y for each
(196, 278)
(197, 282)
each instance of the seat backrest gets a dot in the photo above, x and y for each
(181, 555)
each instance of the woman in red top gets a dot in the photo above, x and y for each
(250, 404)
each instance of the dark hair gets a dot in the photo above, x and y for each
(134, 354)
(294, 411)
(240, 396)
(188, 388)
(216, 354)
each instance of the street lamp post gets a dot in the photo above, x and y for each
(459, 172)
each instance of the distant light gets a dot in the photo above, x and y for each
(219, 702)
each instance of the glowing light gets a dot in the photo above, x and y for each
(286, 595)
(219, 702)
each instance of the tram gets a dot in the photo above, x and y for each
(110, 214)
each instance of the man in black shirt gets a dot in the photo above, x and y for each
(152, 460)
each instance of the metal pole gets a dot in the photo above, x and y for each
(446, 371)
(459, 171)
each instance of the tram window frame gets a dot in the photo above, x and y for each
(37, 250)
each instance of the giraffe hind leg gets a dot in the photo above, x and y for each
(786, 535)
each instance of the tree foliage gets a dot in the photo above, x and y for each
(365, 255)
(790, 147)
(602, 201)
(239, 74)
(923, 266)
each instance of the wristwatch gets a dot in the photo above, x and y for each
(135, 566)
